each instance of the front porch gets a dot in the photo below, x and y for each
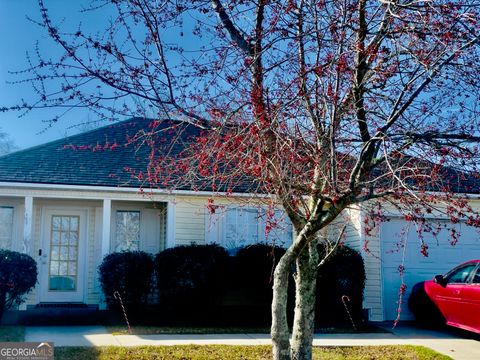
(64, 232)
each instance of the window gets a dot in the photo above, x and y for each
(281, 231)
(241, 227)
(127, 230)
(245, 226)
(460, 275)
(6, 227)
(476, 277)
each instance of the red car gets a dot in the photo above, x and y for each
(453, 298)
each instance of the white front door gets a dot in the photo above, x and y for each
(63, 252)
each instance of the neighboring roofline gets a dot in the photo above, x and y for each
(146, 191)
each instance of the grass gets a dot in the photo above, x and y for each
(153, 330)
(12, 333)
(224, 352)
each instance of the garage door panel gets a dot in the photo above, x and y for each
(442, 256)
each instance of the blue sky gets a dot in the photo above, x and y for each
(17, 36)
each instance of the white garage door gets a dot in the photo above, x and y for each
(442, 256)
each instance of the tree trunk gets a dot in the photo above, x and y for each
(279, 331)
(305, 295)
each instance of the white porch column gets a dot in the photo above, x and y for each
(106, 224)
(105, 245)
(27, 225)
(170, 240)
(27, 234)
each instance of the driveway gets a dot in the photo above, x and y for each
(456, 344)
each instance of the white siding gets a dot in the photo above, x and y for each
(371, 250)
(369, 247)
(352, 235)
(190, 220)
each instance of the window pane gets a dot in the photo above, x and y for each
(6, 227)
(241, 227)
(476, 277)
(56, 222)
(65, 223)
(281, 229)
(55, 253)
(127, 230)
(460, 276)
(74, 224)
(63, 253)
(64, 238)
(55, 237)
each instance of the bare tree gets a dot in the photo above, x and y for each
(6, 144)
(322, 104)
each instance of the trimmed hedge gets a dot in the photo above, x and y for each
(253, 268)
(342, 274)
(250, 292)
(202, 283)
(18, 275)
(129, 273)
(191, 279)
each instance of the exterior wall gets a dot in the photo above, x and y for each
(369, 248)
(373, 299)
(189, 220)
(352, 235)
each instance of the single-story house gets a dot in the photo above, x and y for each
(70, 202)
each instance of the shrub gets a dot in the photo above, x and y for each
(253, 270)
(18, 275)
(190, 278)
(129, 273)
(250, 291)
(342, 274)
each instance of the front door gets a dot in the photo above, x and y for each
(62, 255)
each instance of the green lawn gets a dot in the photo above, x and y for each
(12, 333)
(152, 330)
(224, 352)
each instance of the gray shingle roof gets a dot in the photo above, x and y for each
(96, 158)
(100, 158)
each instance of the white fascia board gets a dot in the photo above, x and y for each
(113, 189)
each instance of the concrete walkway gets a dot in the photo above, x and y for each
(456, 345)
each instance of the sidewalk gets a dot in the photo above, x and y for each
(444, 342)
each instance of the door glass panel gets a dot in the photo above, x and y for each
(55, 237)
(64, 253)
